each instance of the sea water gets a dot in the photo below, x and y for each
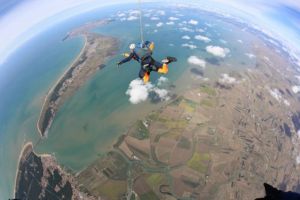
(90, 121)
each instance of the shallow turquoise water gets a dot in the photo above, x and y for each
(91, 120)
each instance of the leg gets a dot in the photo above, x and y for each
(145, 75)
(160, 67)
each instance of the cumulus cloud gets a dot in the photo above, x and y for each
(131, 18)
(202, 38)
(191, 46)
(217, 51)
(186, 29)
(161, 12)
(193, 22)
(154, 18)
(173, 18)
(194, 60)
(139, 92)
(159, 24)
(240, 41)
(121, 15)
(170, 23)
(250, 55)
(134, 12)
(200, 30)
(161, 80)
(277, 95)
(208, 24)
(186, 37)
(225, 78)
(296, 89)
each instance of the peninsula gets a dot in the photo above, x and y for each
(97, 48)
(40, 177)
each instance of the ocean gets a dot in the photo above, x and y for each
(90, 121)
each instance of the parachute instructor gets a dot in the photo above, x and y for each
(142, 53)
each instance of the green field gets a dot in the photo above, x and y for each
(199, 162)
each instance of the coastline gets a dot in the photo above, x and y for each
(92, 57)
(27, 145)
(61, 77)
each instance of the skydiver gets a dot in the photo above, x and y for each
(143, 54)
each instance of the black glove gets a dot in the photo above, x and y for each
(119, 63)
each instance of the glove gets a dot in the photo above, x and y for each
(119, 63)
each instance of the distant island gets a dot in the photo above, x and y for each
(97, 48)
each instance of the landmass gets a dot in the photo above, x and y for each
(40, 177)
(97, 48)
(219, 140)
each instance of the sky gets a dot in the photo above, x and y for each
(22, 19)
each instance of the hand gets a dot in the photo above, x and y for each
(119, 63)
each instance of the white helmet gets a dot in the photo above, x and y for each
(132, 46)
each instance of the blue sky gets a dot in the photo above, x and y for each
(22, 19)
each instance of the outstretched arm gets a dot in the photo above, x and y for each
(126, 59)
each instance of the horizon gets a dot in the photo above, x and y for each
(279, 18)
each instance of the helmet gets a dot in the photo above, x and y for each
(132, 46)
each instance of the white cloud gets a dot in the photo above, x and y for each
(240, 41)
(277, 95)
(139, 92)
(217, 51)
(161, 80)
(202, 38)
(186, 37)
(173, 18)
(200, 30)
(225, 78)
(134, 12)
(296, 89)
(298, 159)
(154, 18)
(186, 29)
(191, 46)
(155, 31)
(161, 12)
(121, 15)
(286, 102)
(147, 25)
(250, 55)
(208, 24)
(162, 94)
(131, 18)
(193, 22)
(194, 60)
(159, 24)
(170, 23)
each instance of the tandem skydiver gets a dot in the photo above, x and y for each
(142, 53)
